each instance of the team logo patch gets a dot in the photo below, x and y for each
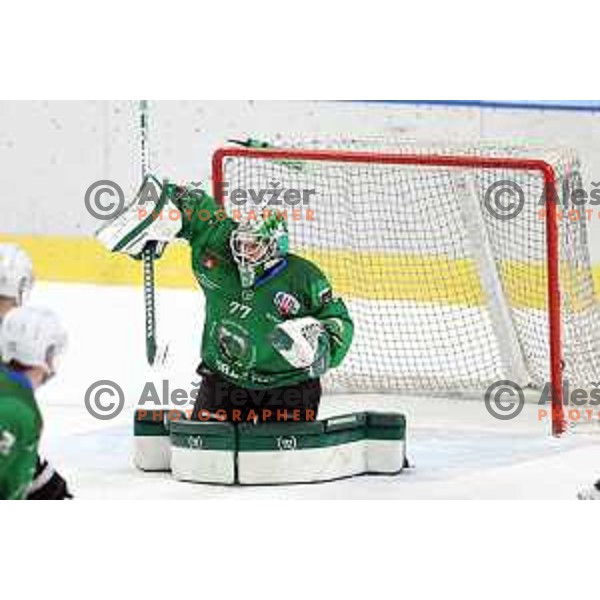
(234, 343)
(209, 262)
(286, 304)
(195, 442)
(287, 443)
(326, 296)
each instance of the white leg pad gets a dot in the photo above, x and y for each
(302, 466)
(203, 452)
(385, 456)
(203, 466)
(152, 453)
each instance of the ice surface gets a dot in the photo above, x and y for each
(458, 449)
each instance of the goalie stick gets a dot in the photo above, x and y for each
(148, 257)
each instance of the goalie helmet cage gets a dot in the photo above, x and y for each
(448, 296)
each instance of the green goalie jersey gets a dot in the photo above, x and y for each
(239, 322)
(20, 429)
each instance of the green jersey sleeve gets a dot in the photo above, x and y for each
(333, 314)
(19, 437)
(205, 225)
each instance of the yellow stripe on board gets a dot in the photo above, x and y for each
(433, 278)
(381, 276)
(84, 260)
(372, 275)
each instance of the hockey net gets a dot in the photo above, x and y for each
(447, 292)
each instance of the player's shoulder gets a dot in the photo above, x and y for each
(16, 394)
(297, 265)
(20, 417)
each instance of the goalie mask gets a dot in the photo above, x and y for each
(256, 246)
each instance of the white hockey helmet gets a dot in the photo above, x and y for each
(16, 273)
(33, 337)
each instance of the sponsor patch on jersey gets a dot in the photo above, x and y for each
(326, 296)
(287, 304)
(7, 441)
(206, 282)
(209, 262)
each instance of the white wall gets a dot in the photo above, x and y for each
(50, 152)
